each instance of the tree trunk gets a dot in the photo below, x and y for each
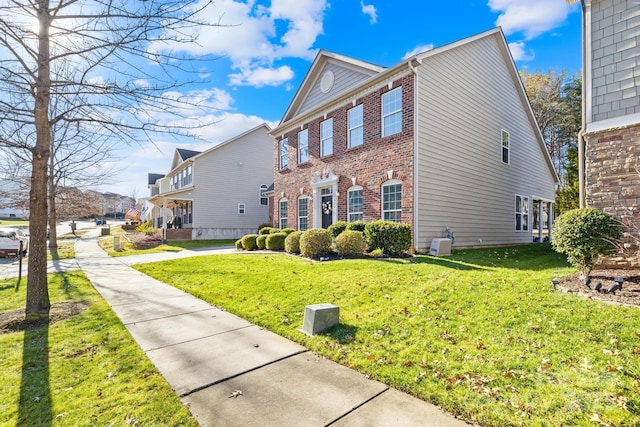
(38, 304)
(53, 216)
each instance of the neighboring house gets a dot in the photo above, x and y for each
(218, 193)
(444, 141)
(611, 108)
(12, 200)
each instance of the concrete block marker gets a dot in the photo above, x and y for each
(319, 318)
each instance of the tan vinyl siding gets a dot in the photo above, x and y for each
(344, 79)
(229, 175)
(615, 58)
(466, 96)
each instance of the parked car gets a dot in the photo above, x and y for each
(10, 239)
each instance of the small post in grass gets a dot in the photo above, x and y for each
(19, 265)
(319, 318)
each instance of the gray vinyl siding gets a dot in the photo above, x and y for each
(465, 97)
(344, 79)
(615, 54)
(232, 174)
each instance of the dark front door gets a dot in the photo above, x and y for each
(327, 210)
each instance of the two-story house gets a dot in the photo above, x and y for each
(219, 193)
(444, 141)
(609, 150)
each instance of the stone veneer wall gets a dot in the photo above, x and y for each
(612, 181)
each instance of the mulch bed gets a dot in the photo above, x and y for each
(628, 295)
(14, 321)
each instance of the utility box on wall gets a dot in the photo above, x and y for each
(440, 247)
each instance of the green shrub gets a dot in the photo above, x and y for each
(239, 244)
(350, 243)
(315, 243)
(261, 241)
(292, 242)
(585, 234)
(266, 230)
(146, 228)
(357, 226)
(261, 226)
(249, 242)
(275, 242)
(377, 253)
(392, 237)
(287, 231)
(337, 227)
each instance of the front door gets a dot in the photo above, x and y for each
(327, 207)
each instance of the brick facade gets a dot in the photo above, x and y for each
(368, 165)
(612, 183)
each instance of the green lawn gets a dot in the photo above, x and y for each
(83, 371)
(481, 334)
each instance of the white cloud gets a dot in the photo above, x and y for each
(418, 49)
(253, 36)
(519, 53)
(259, 77)
(529, 17)
(369, 9)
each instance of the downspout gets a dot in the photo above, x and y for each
(581, 138)
(415, 149)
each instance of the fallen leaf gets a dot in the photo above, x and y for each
(236, 393)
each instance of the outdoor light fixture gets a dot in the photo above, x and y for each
(598, 286)
(555, 283)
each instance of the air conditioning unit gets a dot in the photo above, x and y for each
(440, 247)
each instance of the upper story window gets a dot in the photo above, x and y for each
(392, 112)
(182, 178)
(241, 208)
(303, 213)
(284, 154)
(326, 138)
(354, 204)
(506, 145)
(392, 200)
(303, 146)
(356, 136)
(284, 213)
(522, 213)
(264, 199)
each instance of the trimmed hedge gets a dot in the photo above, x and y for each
(585, 234)
(287, 231)
(275, 242)
(315, 243)
(392, 237)
(267, 230)
(292, 242)
(239, 244)
(337, 227)
(357, 226)
(261, 241)
(351, 243)
(249, 242)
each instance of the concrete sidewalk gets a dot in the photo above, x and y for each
(232, 373)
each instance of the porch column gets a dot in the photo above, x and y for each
(164, 220)
(549, 218)
(317, 210)
(540, 221)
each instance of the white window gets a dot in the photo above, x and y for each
(356, 135)
(392, 112)
(284, 213)
(506, 143)
(303, 146)
(264, 200)
(326, 138)
(354, 204)
(303, 213)
(189, 175)
(284, 154)
(241, 208)
(522, 213)
(392, 201)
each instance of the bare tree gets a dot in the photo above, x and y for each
(92, 56)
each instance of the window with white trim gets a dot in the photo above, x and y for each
(284, 154)
(303, 146)
(326, 137)
(522, 213)
(392, 112)
(506, 145)
(392, 201)
(241, 208)
(356, 134)
(303, 213)
(264, 199)
(354, 204)
(284, 213)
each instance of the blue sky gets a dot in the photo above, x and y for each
(266, 48)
